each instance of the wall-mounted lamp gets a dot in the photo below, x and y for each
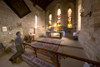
(19, 24)
(83, 13)
(89, 14)
(10, 28)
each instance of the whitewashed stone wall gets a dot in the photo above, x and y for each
(9, 19)
(90, 31)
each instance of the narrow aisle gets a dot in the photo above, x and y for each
(75, 49)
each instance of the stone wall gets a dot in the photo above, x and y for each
(90, 31)
(9, 19)
(64, 5)
(90, 25)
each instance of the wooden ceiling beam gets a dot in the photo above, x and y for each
(46, 4)
(38, 1)
(42, 3)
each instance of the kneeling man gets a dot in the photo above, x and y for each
(18, 44)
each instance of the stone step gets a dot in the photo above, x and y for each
(33, 61)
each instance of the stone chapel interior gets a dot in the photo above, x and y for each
(57, 33)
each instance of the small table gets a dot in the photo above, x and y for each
(62, 33)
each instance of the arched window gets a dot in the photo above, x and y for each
(50, 20)
(36, 25)
(69, 18)
(59, 17)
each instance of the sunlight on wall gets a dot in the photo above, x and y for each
(79, 17)
(35, 21)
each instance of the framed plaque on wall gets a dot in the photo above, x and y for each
(4, 28)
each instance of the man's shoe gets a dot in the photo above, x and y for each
(12, 60)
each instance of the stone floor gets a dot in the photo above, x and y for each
(74, 48)
(4, 62)
(71, 47)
